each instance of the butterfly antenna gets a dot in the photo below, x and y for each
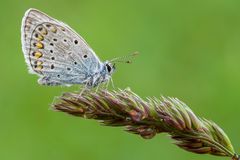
(125, 59)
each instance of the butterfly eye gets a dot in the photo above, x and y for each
(108, 68)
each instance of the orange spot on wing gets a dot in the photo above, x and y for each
(39, 45)
(37, 54)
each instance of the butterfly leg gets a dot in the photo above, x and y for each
(47, 81)
(97, 88)
(84, 88)
(112, 83)
(107, 84)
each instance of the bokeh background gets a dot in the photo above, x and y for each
(188, 49)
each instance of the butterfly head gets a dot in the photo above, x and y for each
(109, 68)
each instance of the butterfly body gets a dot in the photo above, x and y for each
(58, 55)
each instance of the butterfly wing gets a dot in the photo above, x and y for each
(55, 52)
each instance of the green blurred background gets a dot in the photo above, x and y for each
(189, 50)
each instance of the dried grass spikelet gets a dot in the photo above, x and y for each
(148, 118)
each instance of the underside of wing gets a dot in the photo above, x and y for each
(55, 51)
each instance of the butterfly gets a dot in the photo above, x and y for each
(58, 55)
